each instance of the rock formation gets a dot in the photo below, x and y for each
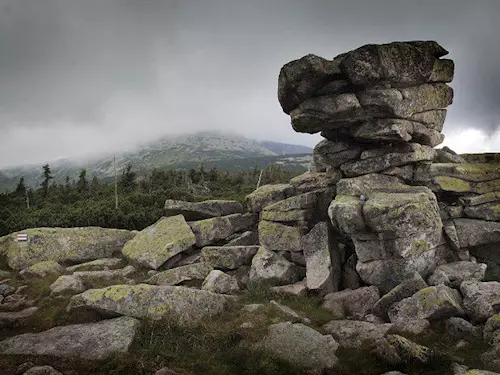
(392, 235)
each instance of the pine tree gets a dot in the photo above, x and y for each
(82, 185)
(128, 179)
(47, 176)
(21, 188)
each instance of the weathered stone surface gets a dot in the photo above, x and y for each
(433, 119)
(191, 273)
(249, 238)
(67, 285)
(98, 265)
(96, 278)
(323, 268)
(16, 318)
(202, 210)
(481, 299)
(404, 290)
(354, 334)
(269, 266)
(413, 327)
(268, 194)
(400, 350)
(220, 282)
(159, 242)
(477, 232)
(365, 184)
(433, 303)
(405, 102)
(301, 79)
(311, 181)
(280, 237)
(487, 211)
(229, 257)
(93, 341)
(210, 231)
(492, 330)
(444, 155)
(301, 345)
(356, 303)
(388, 158)
(298, 289)
(346, 214)
(63, 245)
(184, 306)
(388, 129)
(42, 370)
(42, 269)
(462, 329)
(350, 277)
(299, 208)
(329, 154)
(400, 63)
(453, 274)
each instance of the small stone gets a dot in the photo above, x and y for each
(67, 285)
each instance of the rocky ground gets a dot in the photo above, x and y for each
(382, 259)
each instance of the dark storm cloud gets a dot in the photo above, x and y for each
(80, 76)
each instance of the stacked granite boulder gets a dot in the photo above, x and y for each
(381, 109)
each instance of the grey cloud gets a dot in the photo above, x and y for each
(115, 72)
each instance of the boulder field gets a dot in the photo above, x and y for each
(393, 239)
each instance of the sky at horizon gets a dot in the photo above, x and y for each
(80, 77)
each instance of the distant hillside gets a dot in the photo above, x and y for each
(213, 149)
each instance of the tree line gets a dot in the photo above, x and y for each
(90, 201)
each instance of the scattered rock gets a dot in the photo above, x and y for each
(354, 334)
(202, 210)
(159, 242)
(280, 237)
(453, 274)
(481, 299)
(356, 303)
(220, 282)
(19, 318)
(209, 231)
(42, 269)
(92, 341)
(229, 257)
(269, 266)
(67, 285)
(192, 273)
(98, 265)
(462, 329)
(298, 289)
(301, 345)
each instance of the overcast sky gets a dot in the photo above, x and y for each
(83, 76)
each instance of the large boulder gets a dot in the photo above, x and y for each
(267, 266)
(210, 231)
(301, 345)
(181, 305)
(67, 285)
(220, 282)
(191, 273)
(332, 154)
(354, 334)
(299, 208)
(402, 63)
(404, 290)
(453, 274)
(202, 210)
(356, 303)
(481, 299)
(473, 233)
(159, 242)
(98, 265)
(62, 245)
(268, 194)
(42, 269)
(433, 303)
(323, 267)
(229, 257)
(92, 341)
(281, 237)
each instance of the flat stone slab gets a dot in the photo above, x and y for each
(88, 341)
(202, 210)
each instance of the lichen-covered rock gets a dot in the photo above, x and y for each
(248, 238)
(268, 194)
(492, 330)
(323, 268)
(98, 265)
(67, 285)
(400, 350)
(402, 63)
(413, 327)
(181, 305)
(281, 237)
(299, 208)
(92, 341)
(42, 370)
(461, 329)
(17, 318)
(311, 181)
(404, 290)
(354, 334)
(481, 299)
(433, 303)
(356, 303)
(210, 231)
(332, 154)
(301, 79)
(272, 267)
(72, 245)
(202, 210)
(42, 269)
(453, 274)
(388, 158)
(301, 345)
(229, 257)
(191, 273)
(97, 278)
(220, 282)
(477, 232)
(159, 242)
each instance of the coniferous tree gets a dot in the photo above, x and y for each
(47, 176)
(21, 188)
(82, 185)
(128, 179)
